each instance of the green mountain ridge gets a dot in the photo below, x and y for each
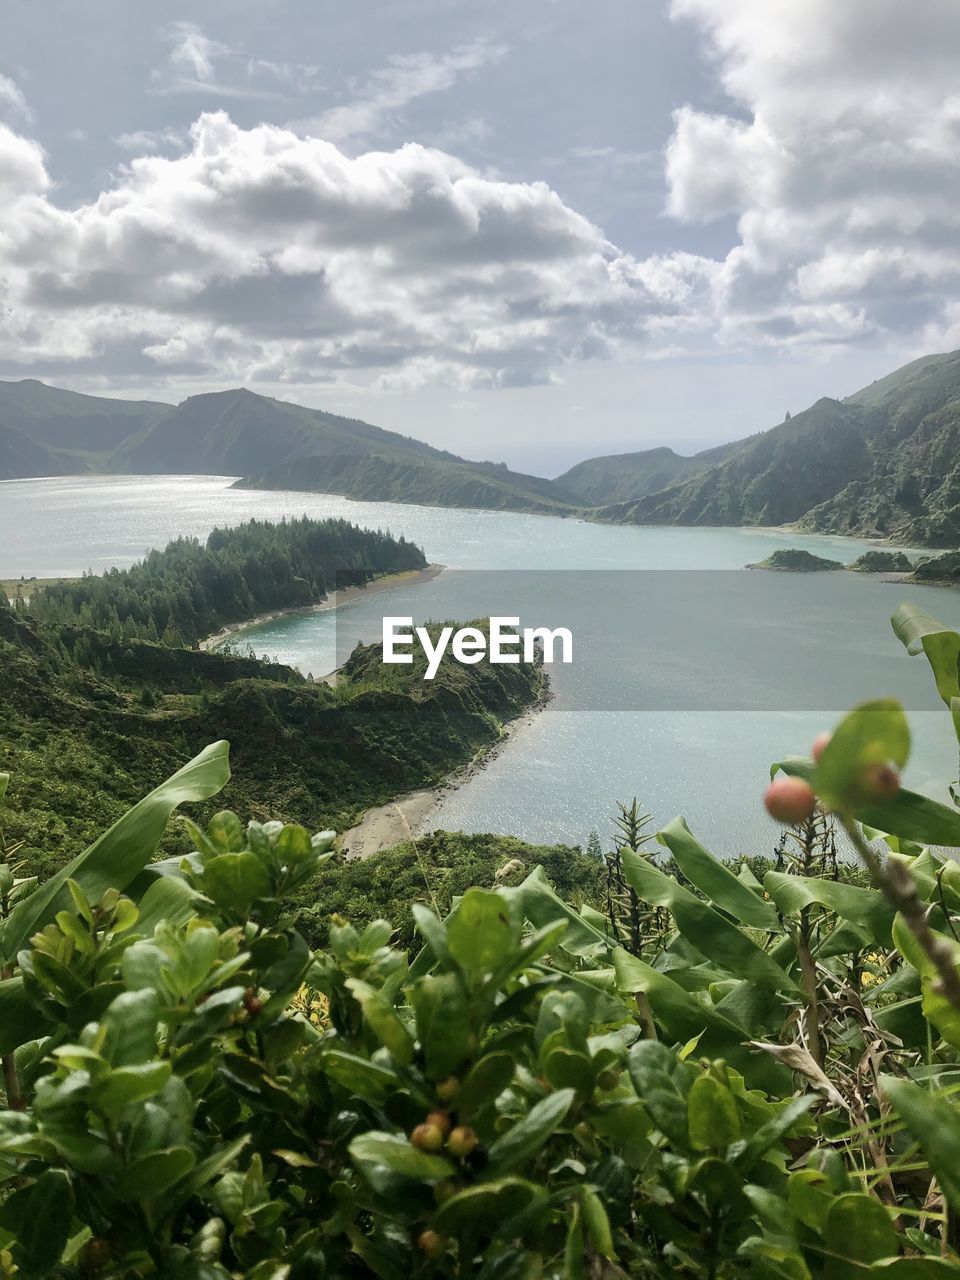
(884, 462)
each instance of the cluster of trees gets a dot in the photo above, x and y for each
(191, 589)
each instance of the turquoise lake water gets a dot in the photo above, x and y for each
(689, 674)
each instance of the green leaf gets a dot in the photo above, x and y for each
(875, 733)
(859, 1229)
(935, 1124)
(484, 1082)
(713, 1122)
(383, 1021)
(155, 1173)
(543, 907)
(481, 931)
(395, 1154)
(443, 1022)
(120, 853)
(747, 1152)
(19, 1021)
(715, 880)
(908, 814)
(528, 1135)
(869, 907)
(39, 1217)
(920, 632)
(936, 1006)
(234, 881)
(712, 934)
(360, 1076)
(127, 1085)
(225, 832)
(490, 1206)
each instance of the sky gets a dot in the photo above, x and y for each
(531, 230)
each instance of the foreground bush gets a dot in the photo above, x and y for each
(764, 1085)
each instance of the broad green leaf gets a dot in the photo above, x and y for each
(443, 1022)
(490, 1206)
(936, 1007)
(127, 1085)
(120, 853)
(713, 1122)
(168, 900)
(908, 814)
(715, 880)
(359, 1076)
(383, 1021)
(748, 1151)
(39, 1217)
(155, 1173)
(712, 934)
(875, 733)
(481, 931)
(19, 1021)
(542, 906)
(852, 902)
(920, 632)
(860, 1229)
(485, 1081)
(234, 881)
(399, 1157)
(528, 1135)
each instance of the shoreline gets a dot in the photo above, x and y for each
(386, 582)
(405, 818)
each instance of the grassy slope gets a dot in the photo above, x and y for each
(85, 742)
(624, 477)
(425, 480)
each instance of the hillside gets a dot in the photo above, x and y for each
(430, 481)
(83, 427)
(88, 722)
(21, 457)
(241, 433)
(624, 477)
(884, 462)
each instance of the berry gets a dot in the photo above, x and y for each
(820, 745)
(96, 1254)
(431, 1242)
(790, 800)
(427, 1137)
(441, 1119)
(252, 1002)
(448, 1089)
(462, 1141)
(608, 1079)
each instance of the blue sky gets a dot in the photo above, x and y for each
(534, 230)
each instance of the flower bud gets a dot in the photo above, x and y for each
(462, 1141)
(427, 1137)
(790, 800)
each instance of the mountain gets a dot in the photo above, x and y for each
(883, 462)
(242, 433)
(21, 457)
(408, 477)
(623, 477)
(88, 427)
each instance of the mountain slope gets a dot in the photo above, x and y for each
(883, 462)
(21, 458)
(241, 433)
(624, 477)
(429, 481)
(66, 420)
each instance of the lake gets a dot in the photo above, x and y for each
(689, 676)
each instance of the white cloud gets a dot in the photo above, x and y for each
(840, 159)
(262, 254)
(391, 88)
(198, 64)
(11, 97)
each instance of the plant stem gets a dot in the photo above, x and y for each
(894, 880)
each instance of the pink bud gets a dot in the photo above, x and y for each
(790, 800)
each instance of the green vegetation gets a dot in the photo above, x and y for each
(882, 562)
(436, 871)
(189, 590)
(437, 482)
(761, 1080)
(87, 720)
(624, 477)
(791, 560)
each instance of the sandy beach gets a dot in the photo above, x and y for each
(388, 582)
(408, 816)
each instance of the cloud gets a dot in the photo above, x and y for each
(405, 79)
(261, 254)
(12, 99)
(840, 160)
(198, 64)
